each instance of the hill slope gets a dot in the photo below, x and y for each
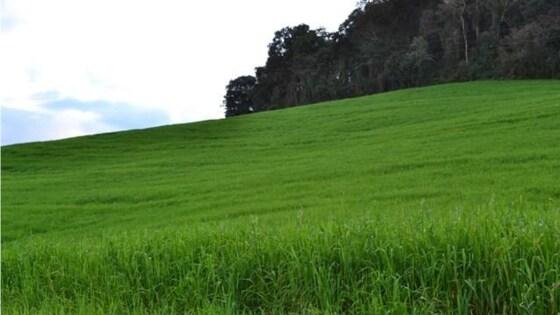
(481, 159)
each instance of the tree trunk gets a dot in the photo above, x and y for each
(477, 20)
(465, 39)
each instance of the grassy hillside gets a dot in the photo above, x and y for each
(439, 199)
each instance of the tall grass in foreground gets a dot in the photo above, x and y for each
(487, 261)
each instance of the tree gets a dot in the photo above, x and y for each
(532, 51)
(292, 65)
(389, 44)
(418, 62)
(238, 98)
(457, 10)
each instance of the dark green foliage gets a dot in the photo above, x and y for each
(238, 99)
(533, 50)
(289, 77)
(386, 45)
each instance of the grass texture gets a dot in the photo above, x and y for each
(443, 199)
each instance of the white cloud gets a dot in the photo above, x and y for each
(71, 123)
(24, 126)
(174, 56)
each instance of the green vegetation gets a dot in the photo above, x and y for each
(435, 200)
(386, 45)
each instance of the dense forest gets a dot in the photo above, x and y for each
(390, 44)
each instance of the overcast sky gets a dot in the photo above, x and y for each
(75, 67)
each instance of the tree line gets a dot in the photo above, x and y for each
(390, 44)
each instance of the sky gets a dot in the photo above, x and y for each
(77, 67)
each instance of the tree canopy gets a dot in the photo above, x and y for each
(391, 44)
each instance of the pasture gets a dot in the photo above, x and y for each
(443, 199)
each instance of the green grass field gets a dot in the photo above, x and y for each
(443, 199)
